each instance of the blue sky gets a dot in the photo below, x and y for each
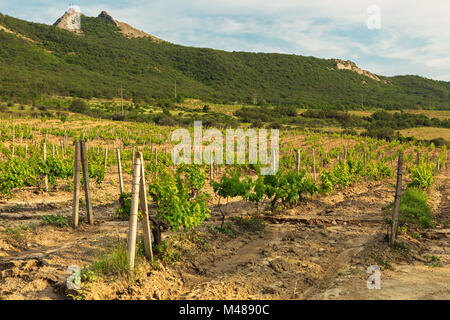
(413, 38)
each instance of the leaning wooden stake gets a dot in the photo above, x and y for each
(143, 204)
(134, 211)
(87, 194)
(119, 168)
(398, 192)
(76, 185)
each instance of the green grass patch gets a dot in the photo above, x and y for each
(113, 260)
(164, 251)
(19, 233)
(55, 220)
(414, 208)
(226, 229)
(250, 224)
(433, 261)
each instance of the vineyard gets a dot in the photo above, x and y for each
(217, 231)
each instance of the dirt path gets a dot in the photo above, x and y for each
(407, 281)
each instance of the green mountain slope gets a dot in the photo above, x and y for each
(97, 62)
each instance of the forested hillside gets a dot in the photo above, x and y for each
(96, 63)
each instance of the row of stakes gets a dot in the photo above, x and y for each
(139, 196)
(138, 199)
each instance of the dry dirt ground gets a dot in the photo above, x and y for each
(319, 249)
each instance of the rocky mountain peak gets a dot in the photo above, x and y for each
(70, 21)
(350, 65)
(107, 16)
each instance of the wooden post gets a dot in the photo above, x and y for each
(87, 194)
(143, 204)
(106, 158)
(119, 168)
(134, 211)
(398, 192)
(297, 160)
(314, 164)
(45, 161)
(76, 185)
(26, 150)
(156, 156)
(436, 168)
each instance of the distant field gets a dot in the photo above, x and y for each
(440, 114)
(427, 133)
(227, 109)
(421, 133)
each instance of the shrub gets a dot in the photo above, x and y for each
(78, 106)
(166, 253)
(123, 211)
(422, 175)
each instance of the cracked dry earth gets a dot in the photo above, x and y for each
(319, 249)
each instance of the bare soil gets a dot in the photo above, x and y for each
(319, 249)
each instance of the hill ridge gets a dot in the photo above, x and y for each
(97, 63)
